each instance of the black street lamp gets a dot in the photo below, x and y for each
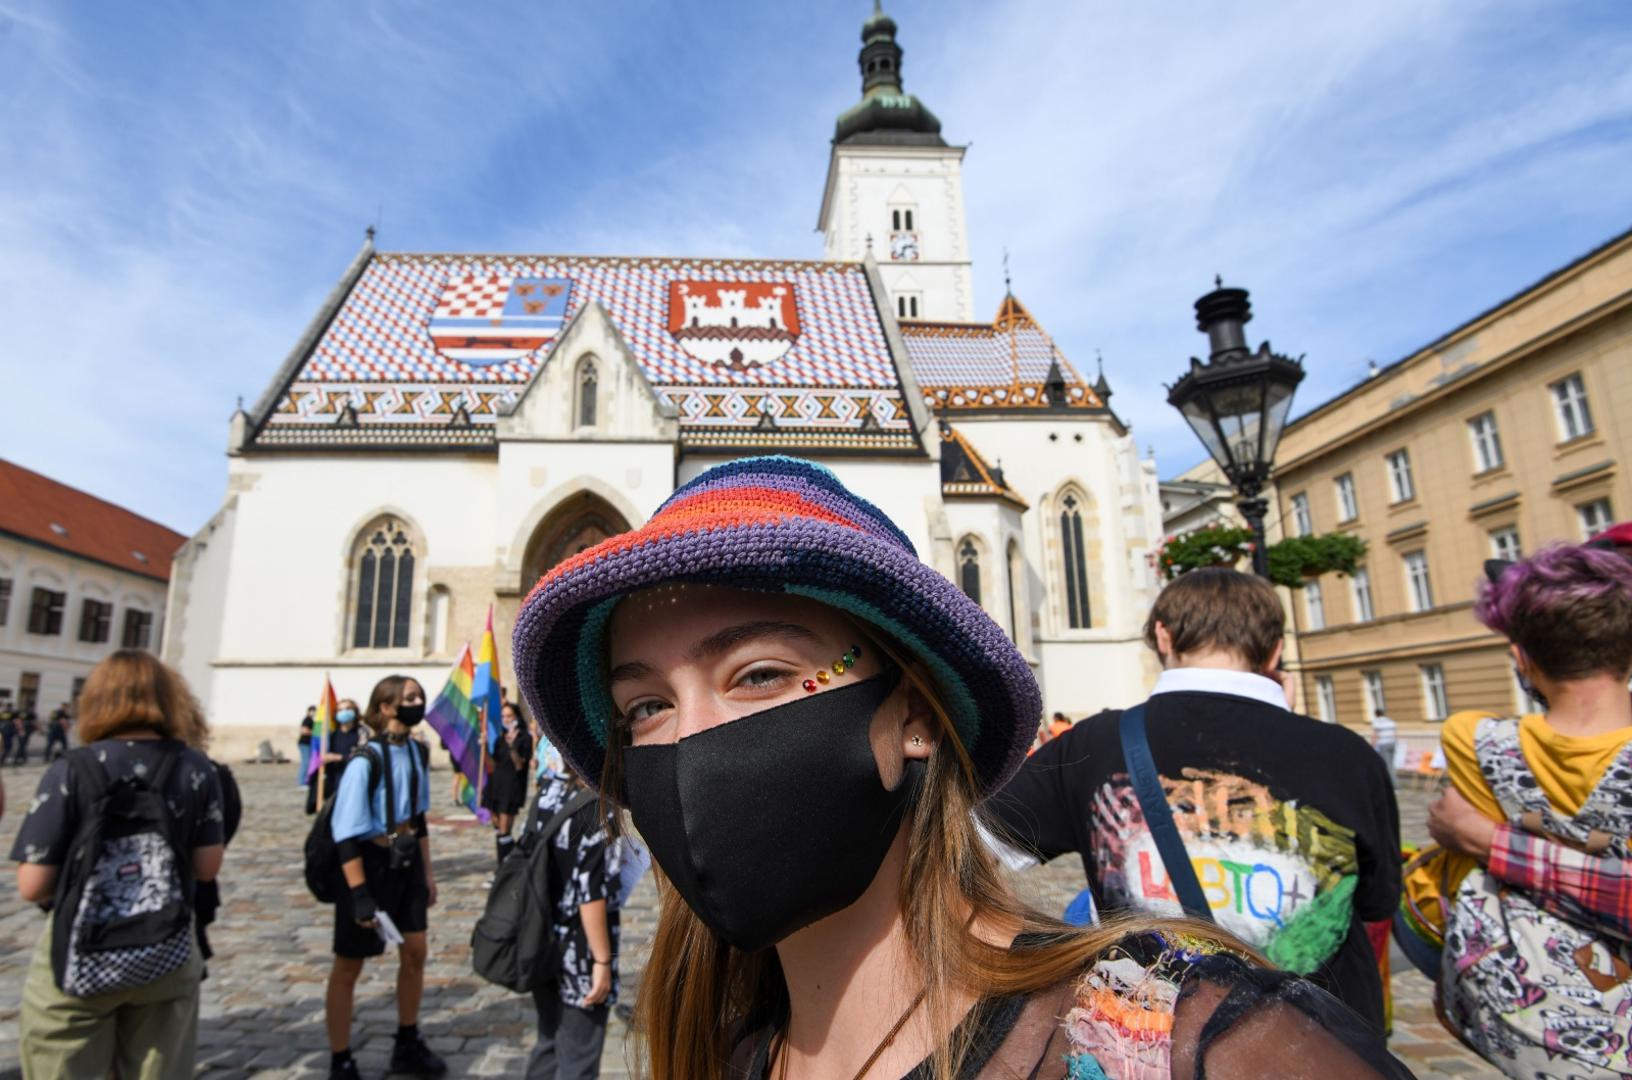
(1237, 404)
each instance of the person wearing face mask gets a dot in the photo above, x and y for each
(506, 788)
(803, 719)
(347, 736)
(379, 830)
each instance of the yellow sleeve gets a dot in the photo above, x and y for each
(1462, 763)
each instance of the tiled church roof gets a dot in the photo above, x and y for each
(431, 349)
(1010, 364)
(964, 472)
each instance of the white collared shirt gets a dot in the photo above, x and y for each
(1220, 681)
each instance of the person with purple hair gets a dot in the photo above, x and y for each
(1538, 947)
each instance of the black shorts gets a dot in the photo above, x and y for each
(506, 791)
(401, 894)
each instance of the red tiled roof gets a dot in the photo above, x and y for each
(38, 509)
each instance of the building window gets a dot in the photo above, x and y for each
(95, 620)
(1348, 507)
(1574, 414)
(1487, 442)
(45, 612)
(1364, 609)
(969, 570)
(1076, 563)
(906, 306)
(1019, 608)
(1326, 698)
(1419, 586)
(138, 632)
(5, 600)
(1596, 516)
(73, 696)
(441, 605)
(1400, 484)
(28, 690)
(588, 383)
(1303, 523)
(1376, 705)
(1314, 605)
(385, 588)
(1504, 543)
(1433, 691)
(901, 219)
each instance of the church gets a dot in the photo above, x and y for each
(448, 427)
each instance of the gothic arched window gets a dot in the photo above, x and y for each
(1019, 606)
(587, 386)
(384, 595)
(969, 569)
(1075, 559)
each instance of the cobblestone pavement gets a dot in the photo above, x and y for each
(263, 1000)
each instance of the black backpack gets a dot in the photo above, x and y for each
(322, 853)
(514, 943)
(123, 903)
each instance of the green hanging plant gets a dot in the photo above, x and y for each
(1211, 545)
(1298, 558)
(1291, 561)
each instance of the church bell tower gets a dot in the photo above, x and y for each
(895, 185)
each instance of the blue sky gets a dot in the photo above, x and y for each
(182, 183)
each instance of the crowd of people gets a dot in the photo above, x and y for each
(20, 723)
(832, 754)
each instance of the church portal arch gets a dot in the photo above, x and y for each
(575, 524)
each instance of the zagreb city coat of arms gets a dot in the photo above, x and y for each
(487, 319)
(733, 325)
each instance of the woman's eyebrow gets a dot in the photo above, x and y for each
(632, 670)
(723, 640)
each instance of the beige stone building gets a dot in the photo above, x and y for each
(1510, 432)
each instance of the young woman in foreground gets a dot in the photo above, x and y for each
(802, 718)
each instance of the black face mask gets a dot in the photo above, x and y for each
(409, 715)
(772, 822)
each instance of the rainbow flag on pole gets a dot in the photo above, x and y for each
(485, 688)
(322, 725)
(455, 719)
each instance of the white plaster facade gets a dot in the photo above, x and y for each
(870, 193)
(52, 665)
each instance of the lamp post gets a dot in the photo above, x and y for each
(1237, 404)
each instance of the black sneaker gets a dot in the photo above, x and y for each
(346, 1070)
(416, 1059)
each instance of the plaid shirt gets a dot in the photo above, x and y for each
(1591, 891)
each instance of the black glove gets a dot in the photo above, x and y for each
(362, 906)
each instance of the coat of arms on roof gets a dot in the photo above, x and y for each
(487, 319)
(733, 325)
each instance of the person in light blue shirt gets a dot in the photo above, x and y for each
(378, 824)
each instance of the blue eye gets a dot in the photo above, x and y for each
(760, 678)
(643, 710)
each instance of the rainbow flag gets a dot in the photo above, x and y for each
(455, 719)
(485, 688)
(322, 725)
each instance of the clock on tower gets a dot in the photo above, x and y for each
(904, 246)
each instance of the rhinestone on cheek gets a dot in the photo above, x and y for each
(838, 668)
(822, 676)
(855, 650)
(810, 686)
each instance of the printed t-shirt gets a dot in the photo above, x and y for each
(585, 867)
(357, 816)
(194, 795)
(1291, 826)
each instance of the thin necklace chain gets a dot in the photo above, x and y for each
(878, 1051)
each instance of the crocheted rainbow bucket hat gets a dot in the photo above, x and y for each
(773, 524)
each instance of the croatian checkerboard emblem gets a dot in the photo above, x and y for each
(487, 319)
(733, 325)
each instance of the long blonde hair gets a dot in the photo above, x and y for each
(717, 994)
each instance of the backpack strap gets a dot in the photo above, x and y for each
(390, 789)
(1147, 786)
(90, 778)
(559, 818)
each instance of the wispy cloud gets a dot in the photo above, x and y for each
(183, 184)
